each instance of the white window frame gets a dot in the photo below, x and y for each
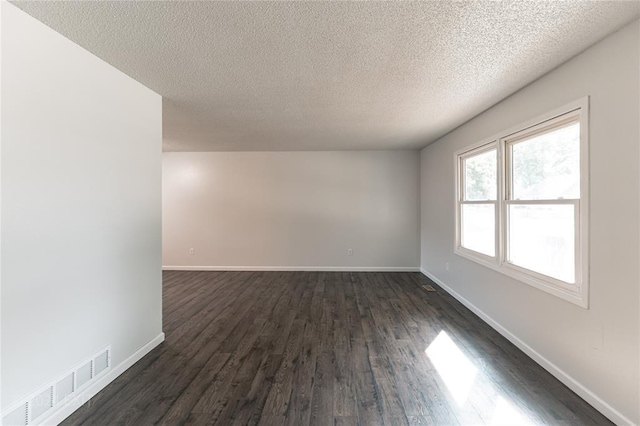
(483, 147)
(577, 293)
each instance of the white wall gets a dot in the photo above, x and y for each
(81, 209)
(291, 209)
(599, 347)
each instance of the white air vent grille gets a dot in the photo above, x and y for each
(18, 417)
(101, 363)
(41, 403)
(84, 374)
(64, 387)
(37, 407)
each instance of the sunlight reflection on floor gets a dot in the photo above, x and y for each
(456, 370)
(459, 374)
(508, 415)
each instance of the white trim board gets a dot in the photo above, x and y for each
(295, 268)
(586, 394)
(65, 410)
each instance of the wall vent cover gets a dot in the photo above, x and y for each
(101, 363)
(64, 387)
(41, 403)
(84, 374)
(17, 417)
(35, 408)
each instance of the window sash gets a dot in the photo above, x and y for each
(485, 147)
(576, 243)
(496, 238)
(522, 136)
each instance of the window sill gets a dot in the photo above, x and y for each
(575, 297)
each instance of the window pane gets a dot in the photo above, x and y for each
(478, 228)
(480, 179)
(541, 238)
(547, 166)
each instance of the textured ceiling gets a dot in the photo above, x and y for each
(329, 75)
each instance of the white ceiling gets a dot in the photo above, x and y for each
(261, 76)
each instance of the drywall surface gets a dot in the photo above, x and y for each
(291, 209)
(81, 224)
(598, 347)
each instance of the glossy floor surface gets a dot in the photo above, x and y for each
(328, 348)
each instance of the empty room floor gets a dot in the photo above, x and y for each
(328, 348)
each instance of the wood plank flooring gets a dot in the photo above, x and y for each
(328, 348)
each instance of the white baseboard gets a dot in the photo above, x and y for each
(295, 268)
(65, 410)
(586, 394)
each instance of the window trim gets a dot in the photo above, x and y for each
(578, 293)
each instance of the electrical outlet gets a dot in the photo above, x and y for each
(349, 252)
(192, 251)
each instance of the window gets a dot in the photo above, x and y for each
(521, 203)
(479, 200)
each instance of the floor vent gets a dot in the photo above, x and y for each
(428, 287)
(36, 407)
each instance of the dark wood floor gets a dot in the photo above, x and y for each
(300, 348)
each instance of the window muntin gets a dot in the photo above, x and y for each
(540, 220)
